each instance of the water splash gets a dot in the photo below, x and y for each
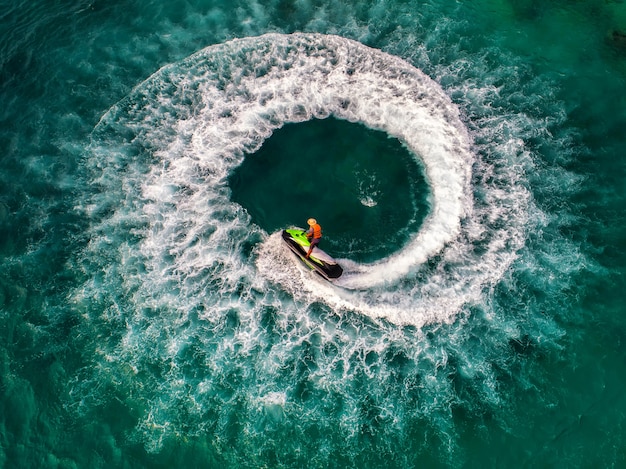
(197, 120)
(214, 325)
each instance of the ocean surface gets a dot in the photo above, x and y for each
(466, 161)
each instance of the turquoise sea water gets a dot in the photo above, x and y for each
(464, 159)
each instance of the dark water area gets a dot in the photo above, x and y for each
(337, 172)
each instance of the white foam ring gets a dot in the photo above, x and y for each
(200, 117)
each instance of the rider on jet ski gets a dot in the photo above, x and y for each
(314, 233)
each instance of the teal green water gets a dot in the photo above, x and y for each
(338, 172)
(469, 177)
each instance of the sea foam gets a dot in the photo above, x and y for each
(199, 118)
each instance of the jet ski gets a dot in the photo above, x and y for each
(323, 264)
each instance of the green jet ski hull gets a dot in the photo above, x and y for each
(321, 262)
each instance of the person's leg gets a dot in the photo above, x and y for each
(314, 242)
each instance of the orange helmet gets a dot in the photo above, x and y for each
(312, 221)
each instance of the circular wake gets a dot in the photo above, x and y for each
(165, 152)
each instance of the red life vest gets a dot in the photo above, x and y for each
(317, 231)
